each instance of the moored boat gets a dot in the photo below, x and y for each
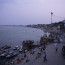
(11, 55)
(3, 55)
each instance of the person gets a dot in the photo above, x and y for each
(56, 49)
(25, 55)
(45, 56)
(27, 60)
(56, 46)
(63, 50)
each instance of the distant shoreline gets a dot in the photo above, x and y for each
(43, 29)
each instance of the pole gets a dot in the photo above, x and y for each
(51, 17)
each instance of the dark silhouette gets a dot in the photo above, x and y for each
(45, 56)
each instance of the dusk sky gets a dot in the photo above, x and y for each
(23, 12)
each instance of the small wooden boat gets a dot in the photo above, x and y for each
(16, 48)
(10, 55)
(3, 55)
(20, 50)
(6, 47)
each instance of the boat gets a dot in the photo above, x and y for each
(20, 50)
(3, 55)
(10, 52)
(16, 48)
(11, 55)
(14, 54)
(6, 47)
(8, 56)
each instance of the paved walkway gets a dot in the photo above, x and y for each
(53, 57)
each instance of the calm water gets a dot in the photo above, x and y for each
(14, 35)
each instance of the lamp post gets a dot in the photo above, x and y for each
(51, 17)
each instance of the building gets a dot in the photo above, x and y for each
(62, 25)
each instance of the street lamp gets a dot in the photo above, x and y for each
(51, 17)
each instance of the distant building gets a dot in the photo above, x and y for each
(62, 25)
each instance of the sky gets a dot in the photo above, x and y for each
(24, 12)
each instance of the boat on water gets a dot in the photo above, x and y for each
(20, 50)
(6, 47)
(16, 48)
(11, 55)
(3, 55)
(8, 54)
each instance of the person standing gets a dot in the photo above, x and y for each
(45, 56)
(56, 47)
(27, 59)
